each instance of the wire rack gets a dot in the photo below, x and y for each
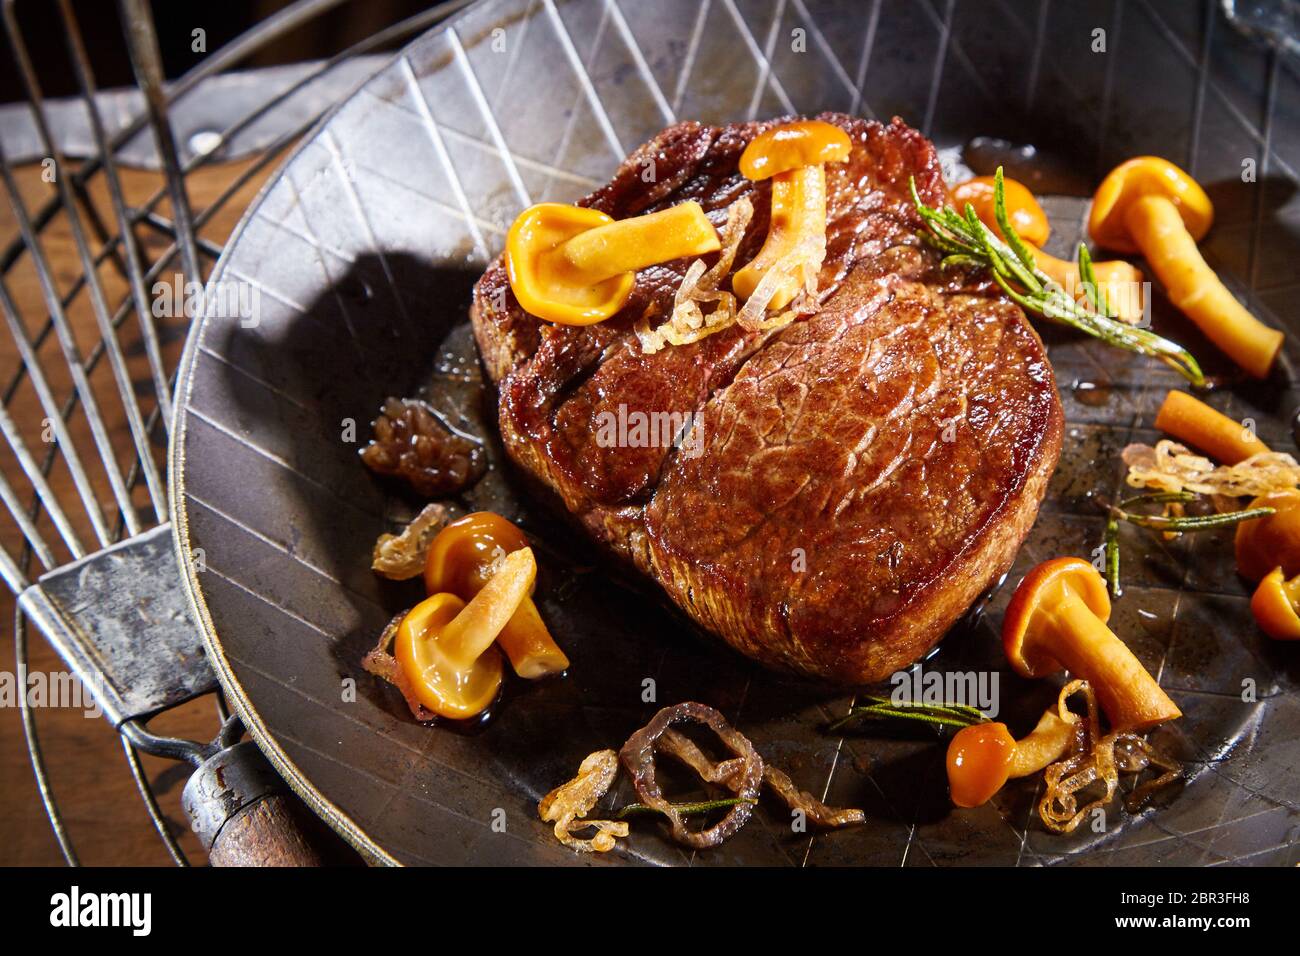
(88, 374)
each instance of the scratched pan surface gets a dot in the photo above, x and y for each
(363, 252)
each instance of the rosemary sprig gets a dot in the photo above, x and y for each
(936, 715)
(685, 809)
(1110, 545)
(1091, 287)
(967, 241)
(1115, 514)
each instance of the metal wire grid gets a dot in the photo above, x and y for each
(136, 481)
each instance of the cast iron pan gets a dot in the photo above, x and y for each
(364, 249)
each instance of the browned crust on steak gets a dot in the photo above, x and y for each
(865, 472)
(893, 546)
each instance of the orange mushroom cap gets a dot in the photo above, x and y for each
(1044, 583)
(541, 229)
(577, 266)
(1272, 541)
(1026, 215)
(793, 145)
(1145, 176)
(979, 763)
(461, 558)
(1274, 606)
(446, 647)
(454, 692)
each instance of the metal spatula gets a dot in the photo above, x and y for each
(121, 623)
(117, 613)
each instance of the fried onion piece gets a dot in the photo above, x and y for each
(384, 665)
(689, 323)
(413, 442)
(803, 262)
(1133, 755)
(1092, 759)
(401, 556)
(569, 803)
(1170, 466)
(743, 778)
(816, 812)
(777, 781)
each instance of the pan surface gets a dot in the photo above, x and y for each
(358, 260)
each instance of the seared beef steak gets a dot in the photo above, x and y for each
(860, 476)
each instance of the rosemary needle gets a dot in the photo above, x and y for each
(1115, 514)
(937, 715)
(1196, 523)
(683, 809)
(967, 241)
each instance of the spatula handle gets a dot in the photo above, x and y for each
(245, 816)
(274, 831)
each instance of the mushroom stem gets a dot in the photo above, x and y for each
(1089, 649)
(1043, 745)
(1192, 421)
(462, 558)
(474, 629)
(1195, 289)
(798, 216)
(529, 646)
(1120, 281)
(627, 245)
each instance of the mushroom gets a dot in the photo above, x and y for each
(983, 757)
(1272, 541)
(1275, 604)
(792, 156)
(577, 266)
(1026, 215)
(1192, 421)
(1119, 281)
(1149, 205)
(1057, 618)
(445, 646)
(462, 559)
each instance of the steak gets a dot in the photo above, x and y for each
(851, 482)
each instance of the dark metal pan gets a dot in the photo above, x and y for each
(363, 251)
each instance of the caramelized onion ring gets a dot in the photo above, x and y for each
(1093, 758)
(777, 781)
(744, 778)
(384, 665)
